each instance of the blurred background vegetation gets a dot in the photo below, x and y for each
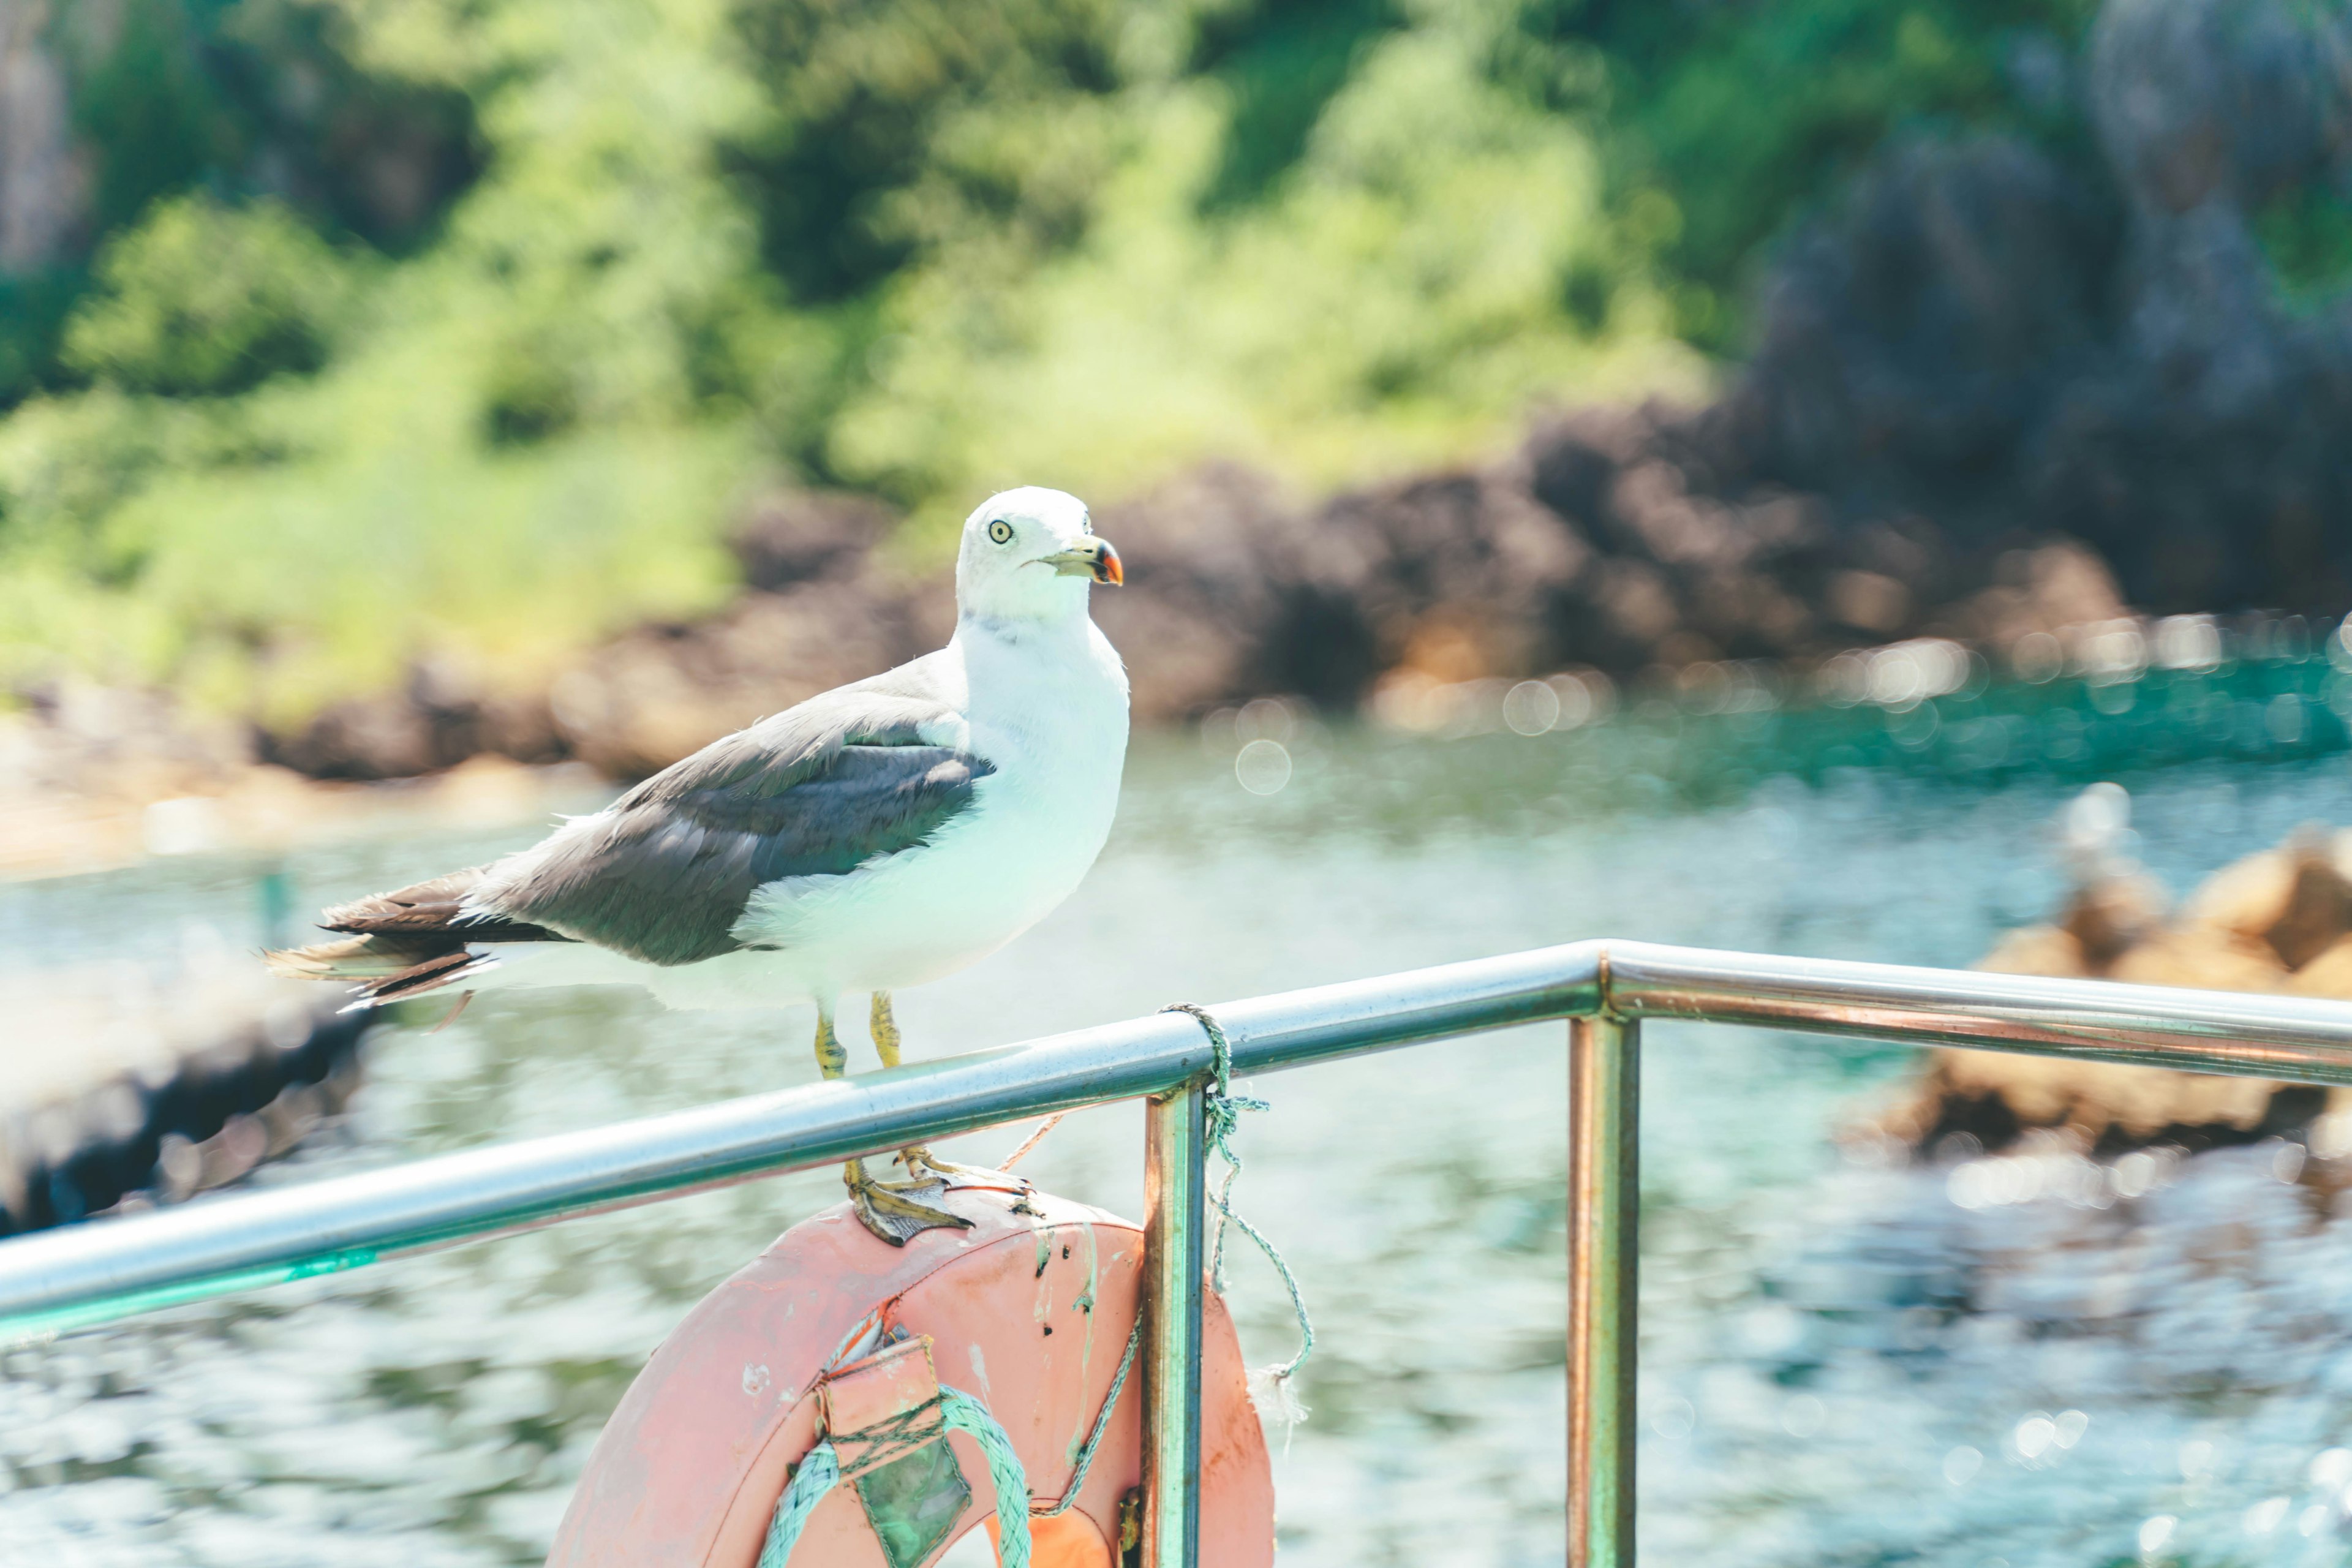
(336, 331)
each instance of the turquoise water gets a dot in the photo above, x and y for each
(1824, 1342)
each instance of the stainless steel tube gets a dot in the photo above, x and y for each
(1604, 1200)
(90, 1273)
(1174, 1187)
(2304, 1040)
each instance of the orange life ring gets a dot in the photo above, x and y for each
(1029, 1312)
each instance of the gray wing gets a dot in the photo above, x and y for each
(664, 872)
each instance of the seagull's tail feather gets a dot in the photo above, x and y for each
(404, 943)
(386, 969)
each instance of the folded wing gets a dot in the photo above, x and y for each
(666, 872)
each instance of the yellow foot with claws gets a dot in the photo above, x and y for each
(896, 1212)
(919, 1158)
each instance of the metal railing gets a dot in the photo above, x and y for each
(87, 1274)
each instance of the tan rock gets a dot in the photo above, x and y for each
(2207, 958)
(2329, 974)
(2295, 898)
(2050, 951)
(2110, 914)
(2274, 921)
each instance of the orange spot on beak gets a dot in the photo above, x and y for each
(1107, 567)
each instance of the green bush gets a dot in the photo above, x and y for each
(1435, 258)
(202, 298)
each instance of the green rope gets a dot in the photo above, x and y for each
(876, 1445)
(1094, 1439)
(1223, 1113)
(811, 1481)
(969, 1415)
(821, 1470)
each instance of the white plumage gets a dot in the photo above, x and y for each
(884, 834)
(1044, 703)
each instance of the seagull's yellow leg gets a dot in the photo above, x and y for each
(914, 1157)
(885, 1030)
(893, 1211)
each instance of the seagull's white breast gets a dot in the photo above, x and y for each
(1046, 707)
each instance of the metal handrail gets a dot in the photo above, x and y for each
(85, 1274)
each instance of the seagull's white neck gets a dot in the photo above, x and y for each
(1030, 673)
(1055, 636)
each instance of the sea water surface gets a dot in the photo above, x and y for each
(1842, 1361)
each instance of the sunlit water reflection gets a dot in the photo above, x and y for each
(1843, 1364)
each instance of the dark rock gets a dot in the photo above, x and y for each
(1912, 342)
(440, 718)
(1212, 560)
(657, 694)
(379, 737)
(2013, 347)
(44, 188)
(230, 1076)
(807, 536)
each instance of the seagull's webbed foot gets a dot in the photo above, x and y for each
(894, 1212)
(918, 1157)
(897, 1211)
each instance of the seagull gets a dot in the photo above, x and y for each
(885, 834)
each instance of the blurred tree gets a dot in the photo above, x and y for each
(239, 97)
(1750, 117)
(203, 299)
(1281, 63)
(1393, 293)
(866, 102)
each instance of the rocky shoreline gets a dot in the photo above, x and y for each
(2279, 921)
(1590, 548)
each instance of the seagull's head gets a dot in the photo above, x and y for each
(1031, 554)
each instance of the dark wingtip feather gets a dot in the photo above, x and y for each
(429, 910)
(384, 969)
(432, 974)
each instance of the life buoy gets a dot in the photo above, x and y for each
(1029, 1312)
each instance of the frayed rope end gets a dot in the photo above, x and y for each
(1275, 1394)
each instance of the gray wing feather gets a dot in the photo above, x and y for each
(663, 874)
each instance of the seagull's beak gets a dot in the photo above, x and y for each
(1094, 559)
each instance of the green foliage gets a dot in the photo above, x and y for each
(33, 310)
(2307, 235)
(203, 299)
(1744, 117)
(510, 443)
(142, 103)
(242, 95)
(457, 324)
(1280, 71)
(875, 110)
(1399, 295)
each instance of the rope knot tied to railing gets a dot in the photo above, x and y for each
(1221, 1113)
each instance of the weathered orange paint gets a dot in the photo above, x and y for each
(882, 1388)
(688, 1469)
(1065, 1540)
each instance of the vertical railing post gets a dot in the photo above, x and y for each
(1175, 1144)
(1604, 1090)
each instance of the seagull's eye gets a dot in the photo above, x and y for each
(1001, 532)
